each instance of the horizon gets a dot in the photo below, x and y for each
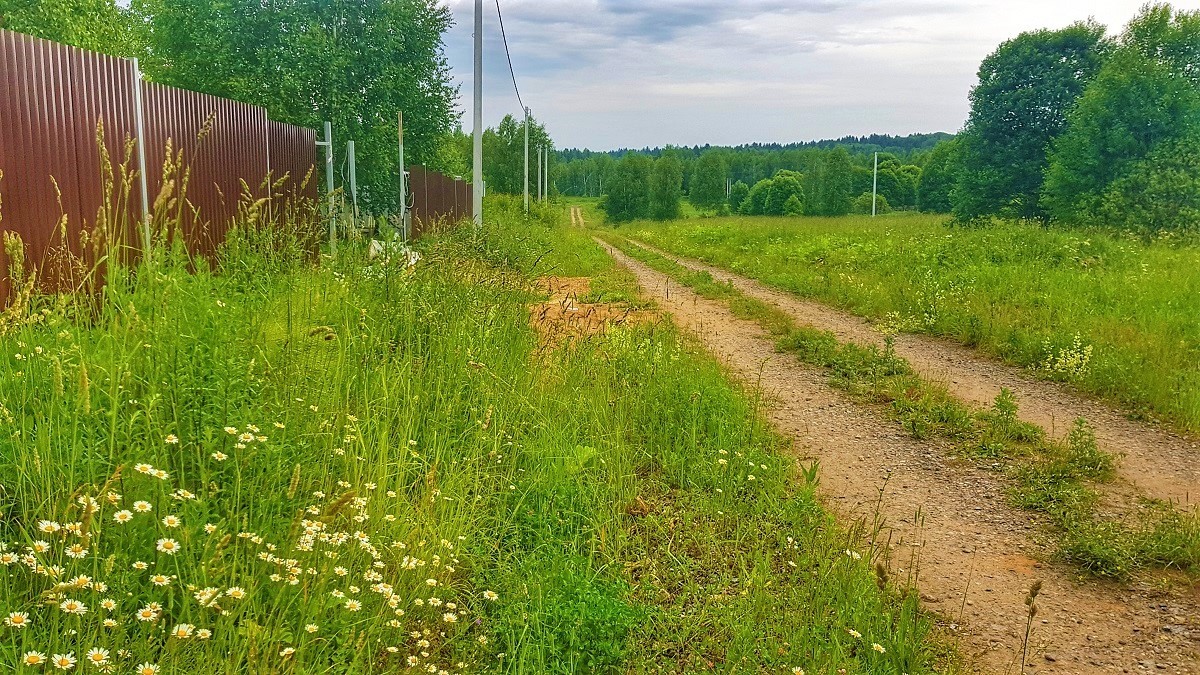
(742, 72)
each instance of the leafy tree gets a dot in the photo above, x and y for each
(737, 196)
(707, 187)
(1147, 95)
(938, 178)
(98, 25)
(666, 188)
(353, 62)
(784, 186)
(1160, 193)
(793, 206)
(1026, 89)
(862, 204)
(830, 184)
(504, 155)
(627, 192)
(755, 203)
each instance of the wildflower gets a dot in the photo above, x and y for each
(71, 606)
(16, 620)
(108, 604)
(63, 661)
(141, 565)
(147, 613)
(853, 633)
(750, 476)
(143, 468)
(209, 528)
(171, 439)
(76, 551)
(310, 628)
(203, 634)
(878, 647)
(490, 596)
(722, 461)
(123, 516)
(110, 623)
(450, 617)
(8, 558)
(246, 437)
(353, 605)
(220, 456)
(160, 474)
(142, 507)
(236, 592)
(183, 631)
(287, 651)
(171, 521)
(168, 546)
(341, 571)
(48, 526)
(146, 668)
(160, 580)
(97, 656)
(797, 671)
(431, 582)
(33, 658)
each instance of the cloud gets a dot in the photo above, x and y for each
(630, 73)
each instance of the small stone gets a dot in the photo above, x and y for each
(1050, 657)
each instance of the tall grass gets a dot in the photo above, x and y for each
(365, 466)
(1113, 315)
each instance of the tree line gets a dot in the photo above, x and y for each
(356, 63)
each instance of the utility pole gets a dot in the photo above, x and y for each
(353, 180)
(546, 176)
(875, 185)
(526, 161)
(539, 175)
(140, 124)
(403, 182)
(477, 168)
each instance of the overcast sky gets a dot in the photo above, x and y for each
(605, 74)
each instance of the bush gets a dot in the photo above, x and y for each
(862, 205)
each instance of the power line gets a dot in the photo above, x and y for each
(509, 55)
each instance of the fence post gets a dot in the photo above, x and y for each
(139, 116)
(328, 143)
(353, 180)
(403, 188)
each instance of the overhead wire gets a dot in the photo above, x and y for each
(509, 55)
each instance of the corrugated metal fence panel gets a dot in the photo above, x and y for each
(217, 143)
(292, 154)
(437, 200)
(52, 97)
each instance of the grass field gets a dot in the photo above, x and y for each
(1114, 316)
(369, 466)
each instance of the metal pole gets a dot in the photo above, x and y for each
(526, 161)
(140, 124)
(875, 185)
(403, 182)
(477, 168)
(329, 185)
(353, 179)
(546, 176)
(539, 175)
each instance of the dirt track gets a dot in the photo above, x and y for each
(1153, 462)
(976, 560)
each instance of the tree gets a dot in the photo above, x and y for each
(353, 62)
(98, 25)
(504, 155)
(627, 192)
(862, 204)
(784, 186)
(666, 188)
(755, 203)
(707, 188)
(793, 206)
(1160, 193)
(938, 178)
(737, 196)
(830, 184)
(1147, 95)
(1026, 90)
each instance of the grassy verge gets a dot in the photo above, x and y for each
(369, 466)
(1112, 315)
(1048, 477)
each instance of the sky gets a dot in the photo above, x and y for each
(608, 74)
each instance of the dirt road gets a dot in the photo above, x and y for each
(1152, 462)
(947, 520)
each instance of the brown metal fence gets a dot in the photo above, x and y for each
(437, 200)
(53, 98)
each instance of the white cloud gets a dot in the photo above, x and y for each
(631, 73)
